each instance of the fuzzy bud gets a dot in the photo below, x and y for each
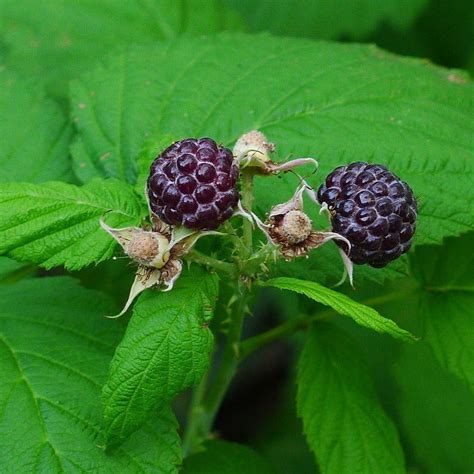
(253, 149)
(147, 248)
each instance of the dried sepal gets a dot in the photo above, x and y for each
(146, 277)
(170, 273)
(179, 233)
(324, 210)
(275, 168)
(242, 212)
(295, 203)
(158, 225)
(161, 227)
(348, 268)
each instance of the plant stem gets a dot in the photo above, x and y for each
(293, 325)
(195, 411)
(218, 265)
(251, 344)
(228, 365)
(205, 405)
(247, 201)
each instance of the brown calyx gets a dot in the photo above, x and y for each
(296, 226)
(294, 234)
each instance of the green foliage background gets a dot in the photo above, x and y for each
(87, 90)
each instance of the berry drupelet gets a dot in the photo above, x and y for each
(373, 209)
(193, 183)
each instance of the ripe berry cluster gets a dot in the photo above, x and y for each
(373, 209)
(193, 183)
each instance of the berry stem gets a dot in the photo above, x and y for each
(247, 201)
(219, 265)
(251, 344)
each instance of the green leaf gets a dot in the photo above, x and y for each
(34, 143)
(336, 102)
(360, 313)
(434, 413)
(55, 223)
(222, 457)
(344, 424)
(165, 350)
(446, 304)
(33, 127)
(55, 347)
(59, 39)
(325, 18)
(449, 331)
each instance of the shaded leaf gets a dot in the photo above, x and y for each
(55, 348)
(427, 386)
(222, 457)
(11, 271)
(34, 143)
(361, 314)
(446, 304)
(165, 350)
(327, 19)
(344, 424)
(435, 413)
(281, 439)
(59, 39)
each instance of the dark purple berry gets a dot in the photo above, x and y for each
(365, 216)
(187, 163)
(345, 208)
(193, 183)
(373, 209)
